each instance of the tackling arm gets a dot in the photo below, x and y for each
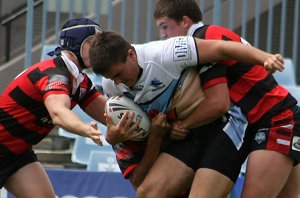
(58, 106)
(216, 50)
(96, 109)
(215, 105)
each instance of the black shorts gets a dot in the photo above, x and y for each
(210, 147)
(9, 166)
(279, 133)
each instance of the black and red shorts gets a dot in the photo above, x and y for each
(279, 133)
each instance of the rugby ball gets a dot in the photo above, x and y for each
(116, 106)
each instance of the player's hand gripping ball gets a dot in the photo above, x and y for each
(116, 106)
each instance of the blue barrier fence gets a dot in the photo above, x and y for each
(87, 184)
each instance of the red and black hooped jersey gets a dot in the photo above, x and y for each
(24, 119)
(250, 86)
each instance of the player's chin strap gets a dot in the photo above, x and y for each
(56, 52)
(77, 76)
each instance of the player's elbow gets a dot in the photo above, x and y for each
(56, 119)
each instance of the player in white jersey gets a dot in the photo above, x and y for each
(160, 75)
(149, 74)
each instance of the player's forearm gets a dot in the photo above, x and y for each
(151, 153)
(215, 105)
(206, 112)
(244, 53)
(217, 50)
(69, 121)
(200, 118)
(58, 106)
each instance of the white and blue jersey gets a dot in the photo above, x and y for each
(162, 63)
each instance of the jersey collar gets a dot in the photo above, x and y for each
(194, 27)
(73, 69)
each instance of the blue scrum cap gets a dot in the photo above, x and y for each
(74, 32)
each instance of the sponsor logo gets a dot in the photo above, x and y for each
(260, 137)
(157, 84)
(181, 49)
(296, 143)
(263, 129)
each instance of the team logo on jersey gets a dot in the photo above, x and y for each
(138, 87)
(157, 84)
(260, 137)
(296, 143)
(181, 49)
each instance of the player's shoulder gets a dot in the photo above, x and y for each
(150, 51)
(219, 32)
(107, 83)
(110, 88)
(149, 47)
(160, 43)
(166, 52)
(217, 27)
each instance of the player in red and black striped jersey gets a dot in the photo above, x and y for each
(269, 110)
(42, 97)
(25, 119)
(250, 86)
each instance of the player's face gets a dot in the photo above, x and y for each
(85, 54)
(170, 28)
(126, 73)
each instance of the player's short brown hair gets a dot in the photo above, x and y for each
(176, 9)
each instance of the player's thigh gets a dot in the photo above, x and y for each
(168, 177)
(267, 172)
(292, 186)
(210, 183)
(30, 181)
(223, 156)
(220, 164)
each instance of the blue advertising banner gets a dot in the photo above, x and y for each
(89, 184)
